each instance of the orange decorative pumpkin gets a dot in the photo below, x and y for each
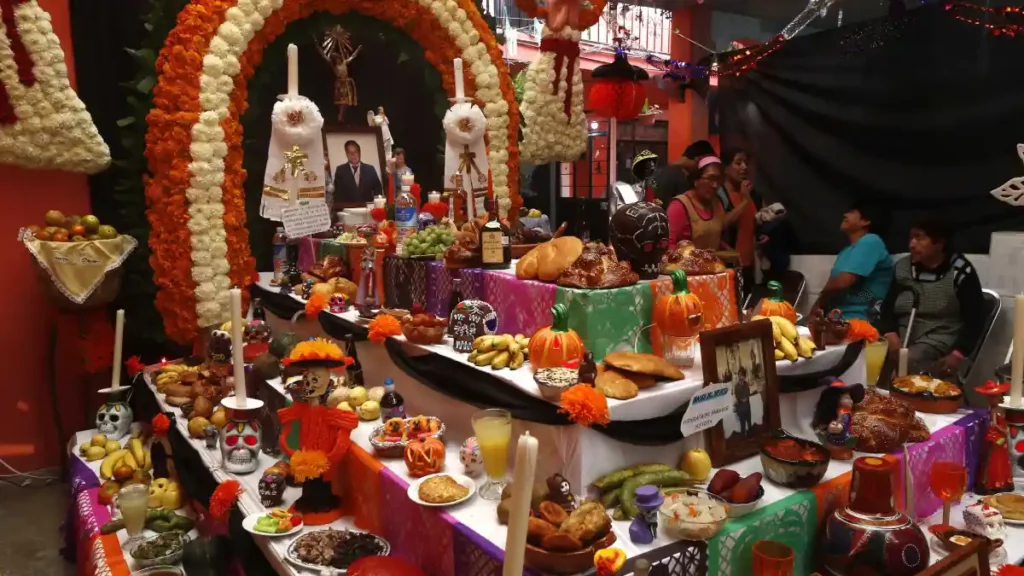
(775, 305)
(552, 346)
(681, 313)
(424, 456)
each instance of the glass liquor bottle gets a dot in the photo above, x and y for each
(392, 405)
(458, 202)
(495, 245)
(354, 371)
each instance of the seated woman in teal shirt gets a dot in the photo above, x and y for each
(862, 272)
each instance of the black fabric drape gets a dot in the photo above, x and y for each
(280, 305)
(919, 116)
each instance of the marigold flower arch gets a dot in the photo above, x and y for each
(196, 206)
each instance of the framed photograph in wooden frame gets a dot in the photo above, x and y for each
(968, 560)
(350, 190)
(742, 356)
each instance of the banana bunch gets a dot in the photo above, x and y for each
(135, 456)
(500, 351)
(789, 345)
(165, 378)
(178, 368)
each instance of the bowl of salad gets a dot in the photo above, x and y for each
(693, 514)
(161, 550)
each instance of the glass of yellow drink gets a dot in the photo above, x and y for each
(874, 358)
(132, 502)
(493, 429)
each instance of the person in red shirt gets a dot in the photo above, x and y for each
(698, 215)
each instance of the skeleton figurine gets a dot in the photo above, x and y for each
(366, 296)
(114, 419)
(240, 446)
(561, 492)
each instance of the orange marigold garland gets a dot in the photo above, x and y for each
(383, 327)
(309, 464)
(861, 330)
(585, 405)
(223, 498)
(161, 424)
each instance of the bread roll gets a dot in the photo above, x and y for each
(556, 256)
(527, 266)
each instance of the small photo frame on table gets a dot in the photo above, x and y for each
(742, 356)
(370, 151)
(968, 560)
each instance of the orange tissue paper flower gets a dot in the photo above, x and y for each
(317, 349)
(585, 405)
(223, 498)
(861, 330)
(161, 424)
(309, 464)
(383, 327)
(316, 304)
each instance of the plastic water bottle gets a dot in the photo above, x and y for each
(405, 217)
(280, 244)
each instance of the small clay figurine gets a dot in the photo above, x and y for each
(307, 289)
(644, 527)
(337, 304)
(211, 435)
(561, 492)
(587, 370)
(271, 489)
(833, 417)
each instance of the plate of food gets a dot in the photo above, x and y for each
(442, 489)
(927, 394)
(336, 549)
(162, 550)
(1010, 505)
(277, 522)
(391, 439)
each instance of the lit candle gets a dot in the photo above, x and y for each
(238, 363)
(460, 90)
(379, 202)
(1017, 362)
(904, 358)
(293, 70)
(519, 510)
(408, 180)
(115, 375)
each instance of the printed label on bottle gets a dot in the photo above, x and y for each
(490, 248)
(405, 215)
(504, 240)
(392, 412)
(280, 258)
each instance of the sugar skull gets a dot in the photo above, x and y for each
(639, 234)
(469, 455)
(271, 489)
(337, 304)
(240, 444)
(470, 319)
(114, 419)
(257, 332)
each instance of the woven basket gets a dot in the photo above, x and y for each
(102, 295)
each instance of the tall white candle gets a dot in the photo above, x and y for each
(1017, 362)
(901, 370)
(519, 511)
(238, 363)
(293, 70)
(460, 90)
(115, 375)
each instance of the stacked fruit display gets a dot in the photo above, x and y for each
(500, 351)
(74, 228)
(123, 463)
(431, 241)
(789, 344)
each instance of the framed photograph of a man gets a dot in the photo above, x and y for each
(742, 356)
(355, 155)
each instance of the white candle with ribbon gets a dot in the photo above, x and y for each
(1017, 361)
(293, 70)
(115, 375)
(904, 358)
(460, 90)
(519, 510)
(237, 361)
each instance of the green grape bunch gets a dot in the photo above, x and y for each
(431, 241)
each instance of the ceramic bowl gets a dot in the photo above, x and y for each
(423, 334)
(737, 510)
(159, 571)
(794, 473)
(166, 560)
(685, 528)
(548, 391)
(566, 562)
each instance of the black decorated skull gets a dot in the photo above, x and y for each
(114, 420)
(470, 319)
(240, 443)
(219, 349)
(271, 489)
(639, 234)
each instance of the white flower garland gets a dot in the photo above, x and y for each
(549, 136)
(208, 149)
(53, 128)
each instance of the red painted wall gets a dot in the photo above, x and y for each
(27, 436)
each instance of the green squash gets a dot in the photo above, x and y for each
(281, 344)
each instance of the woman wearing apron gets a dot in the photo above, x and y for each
(698, 215)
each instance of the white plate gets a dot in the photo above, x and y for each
(292, 557)
(414, 489)
(996, 557)
(249, 524)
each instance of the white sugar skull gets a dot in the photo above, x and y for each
(240, 443)
(469, 455)
(114, 419)
(981, 518)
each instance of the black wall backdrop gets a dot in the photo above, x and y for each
(919, 115)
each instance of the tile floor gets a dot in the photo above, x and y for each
(31, 538)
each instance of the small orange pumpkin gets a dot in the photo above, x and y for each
(424, 456)
(552, 346)
(681, 313)
(775, 305)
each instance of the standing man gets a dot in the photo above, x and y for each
(355, 181)
(401, 168)
(863, 271)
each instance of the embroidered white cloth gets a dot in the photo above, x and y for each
(295, 159)
(465, 153)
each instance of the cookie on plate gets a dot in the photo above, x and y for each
(442, 490)
(643, 364)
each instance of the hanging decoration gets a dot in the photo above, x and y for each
(555, 126)
(465, 153)
(618, 91)
(43, 124)
(1002, 21)
(1013, 191)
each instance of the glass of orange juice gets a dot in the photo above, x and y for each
(493, 429)
(874, 359)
